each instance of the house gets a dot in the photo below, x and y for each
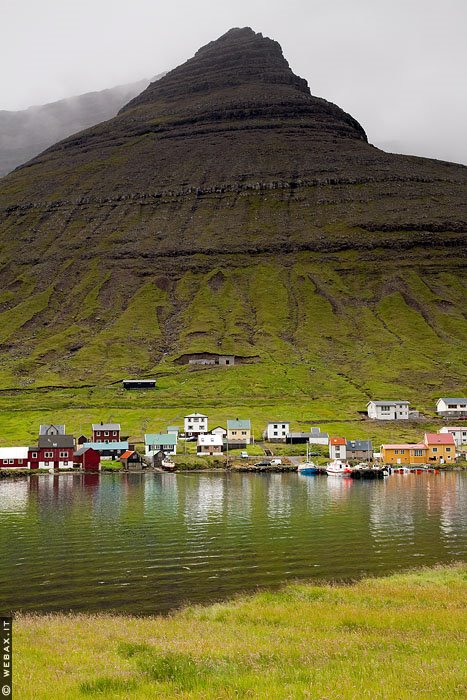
(105, 432)
(52, 430)
(405, 453)
(239, 432)
(153, 442)
(441, 448)
(219, 430)
(109, 449)
(359, 450)
(388, 410)
(338, 448)
(318, 438)
(459, 434)
(131, 459)
(452, 408)
(210, 444)
(207, 358)
(12, 457)
(139, 383)
(195, 424)
(82, 439)
(276, 431)
(87, 458)
(173, 430)
(52, 452)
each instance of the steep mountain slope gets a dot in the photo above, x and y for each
(27, 132)
(226, 209)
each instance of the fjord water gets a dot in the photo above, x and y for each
(146, 543)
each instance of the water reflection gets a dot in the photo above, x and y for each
(148, 542)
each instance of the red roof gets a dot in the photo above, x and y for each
(127, 454)
(337, 441)
(439, 439)
(405, 446)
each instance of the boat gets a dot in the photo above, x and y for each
(338, 468)
(308, 467)
(167, 465)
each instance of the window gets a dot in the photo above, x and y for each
(64, 455)
(20, 461)
(385, 408)
(5, 461)
(234, 432)
(46, 464)
(65, 464)
(396, 452)
(106, 432)
(418, 453)
(48, 455)
(243, 432)
(275, 426)
(275, 433)
(98, 432)
(190, 427)
(452, 405)
(448, 449)
(435, 449)
(34, 455)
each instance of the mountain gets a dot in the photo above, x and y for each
(227, 210)
(25, 133)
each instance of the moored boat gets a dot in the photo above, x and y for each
(338, 468)
(167, 465)
(308, 467)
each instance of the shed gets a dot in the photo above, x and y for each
(87, 458)
(139, 383)
(131, 459)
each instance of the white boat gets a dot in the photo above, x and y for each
(338, 468)
(167, 464)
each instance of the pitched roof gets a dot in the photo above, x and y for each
(43, 429)
(127, 454)
(106, 426)
(359, 445)
(405, 446)
(82, 450)
(452, 400)
(13, 452)
(337, 441)
(439, 439)
(239, 424)
(209, 439)
(160, 439)
(196, 415)
(56, 441)
(275, 422)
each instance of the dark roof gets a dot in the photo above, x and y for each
(43, 429)
(359, 445)
(82, 450)
(56, 441)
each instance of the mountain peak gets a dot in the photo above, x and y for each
(238, 57)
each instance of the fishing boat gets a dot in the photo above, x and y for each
(338, 468)
(167, 465)
(308, 467)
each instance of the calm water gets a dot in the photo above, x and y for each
(147, 543)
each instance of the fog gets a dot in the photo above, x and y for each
(398, 66)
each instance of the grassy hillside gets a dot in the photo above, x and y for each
(390, 638)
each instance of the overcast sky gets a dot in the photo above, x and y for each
(398, 66)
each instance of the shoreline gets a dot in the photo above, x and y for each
(370, 638)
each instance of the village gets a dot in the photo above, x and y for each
(236, 444)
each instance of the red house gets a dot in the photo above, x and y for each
(105, 432)
(52, 452)
(11, 457)
(88, 459)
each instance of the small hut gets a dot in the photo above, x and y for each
(131, 459)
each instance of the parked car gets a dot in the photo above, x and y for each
(275, 461)
(244, 454)
(264, 463)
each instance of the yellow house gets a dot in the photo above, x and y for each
(441, 448)
(239, 431)
(407, 453)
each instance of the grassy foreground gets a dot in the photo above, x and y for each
(397, 637)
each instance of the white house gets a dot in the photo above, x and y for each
(338, 448)
(459, 434)
(195, 424)
(277, 431)
(173, 430)
(210, 444)
(318, 438)
(451, 407)
(388, 410)
(154, 442)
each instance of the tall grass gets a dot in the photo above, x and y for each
(391, 638)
